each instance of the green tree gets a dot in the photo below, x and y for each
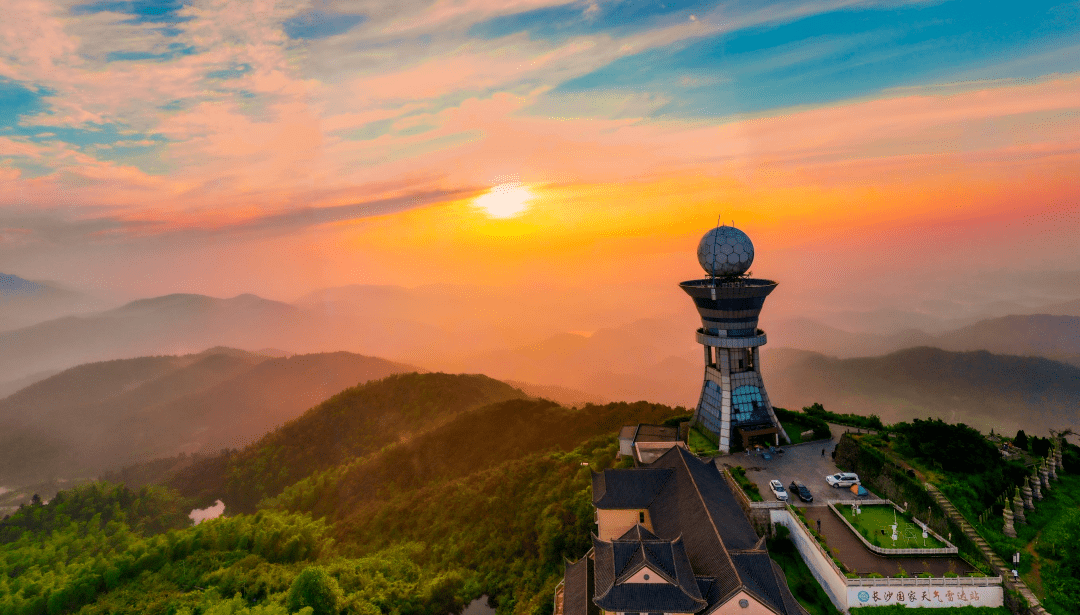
(315, 588)
(1021, 440)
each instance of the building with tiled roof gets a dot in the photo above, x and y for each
(671, 538)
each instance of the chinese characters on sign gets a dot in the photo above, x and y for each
(940, 596)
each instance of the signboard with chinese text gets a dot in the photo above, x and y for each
(943, 596)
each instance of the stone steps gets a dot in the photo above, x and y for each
(995, 562)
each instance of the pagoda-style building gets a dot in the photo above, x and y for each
(671, 538)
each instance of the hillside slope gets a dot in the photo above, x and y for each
(471, 442)
(101, 416)
(353, 423)
(984, 390)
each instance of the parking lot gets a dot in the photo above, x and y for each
(803, 462)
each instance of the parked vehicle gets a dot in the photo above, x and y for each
(801, 490)
(777, 489)
(843, 479)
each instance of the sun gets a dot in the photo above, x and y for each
(505, 200)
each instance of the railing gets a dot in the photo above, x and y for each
(817, 543)
(924, 581)
(950, 550)
(557, 608)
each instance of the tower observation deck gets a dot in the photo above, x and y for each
(734, 407)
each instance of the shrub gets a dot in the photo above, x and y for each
(315, 588)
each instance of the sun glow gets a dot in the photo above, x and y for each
(505, 200)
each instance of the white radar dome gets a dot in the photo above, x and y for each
(725, 251)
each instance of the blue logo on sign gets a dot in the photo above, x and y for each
(864, 596)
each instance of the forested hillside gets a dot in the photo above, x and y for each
(406, 521)
(356, 422)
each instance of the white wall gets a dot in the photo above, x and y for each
(927, 593)
(820, 566)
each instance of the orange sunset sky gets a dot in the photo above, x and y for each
(879, 154)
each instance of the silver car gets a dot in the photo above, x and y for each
(843, 479)
(778, 490)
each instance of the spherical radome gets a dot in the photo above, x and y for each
(724, 251)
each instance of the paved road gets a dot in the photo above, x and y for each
(803, 462)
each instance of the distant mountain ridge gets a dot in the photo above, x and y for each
(14, 285)
(173, 324)
(26, 302)
(1055, 336)
(101, 416)
(982, 389)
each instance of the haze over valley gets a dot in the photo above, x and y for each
(185, 374)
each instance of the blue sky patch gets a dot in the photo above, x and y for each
(17, 100)
(230, 73)
(174, 51)
(617, 18)
(315, 24)
(835, 56)
(141, 11)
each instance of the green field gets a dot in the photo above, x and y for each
(875, 519)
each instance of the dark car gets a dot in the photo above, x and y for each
(800, 490)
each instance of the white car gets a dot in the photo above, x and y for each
(843, 479)
(778, 490)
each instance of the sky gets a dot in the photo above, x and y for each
(877, 152)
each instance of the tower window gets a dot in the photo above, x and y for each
(641, 517)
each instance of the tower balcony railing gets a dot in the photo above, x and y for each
(708, 339)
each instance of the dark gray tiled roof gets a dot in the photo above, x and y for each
(578, 589)
(755, 569)
(626, 556)
(629, 488)
(712, 549)
(698, 505)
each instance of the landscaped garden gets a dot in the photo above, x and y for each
(795, 423)
(875, 524)
(749, 488)
(975, 477)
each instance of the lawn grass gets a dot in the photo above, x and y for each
(875, 518)
(794, 429)
(700, 444)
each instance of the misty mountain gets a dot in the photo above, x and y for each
(984, 390)
(26, 302)
(101, 416)
(1041, 335)
(649, 359)
(807, 334)
(173, 324)
(1052, 336)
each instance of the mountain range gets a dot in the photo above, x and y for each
(25, 302)
(103, 415)
(987, 391)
